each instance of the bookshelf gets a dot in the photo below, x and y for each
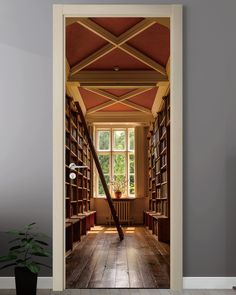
(158, 217)
(78, 192)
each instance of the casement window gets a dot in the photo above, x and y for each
(116, 153)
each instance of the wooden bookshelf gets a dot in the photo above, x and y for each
(78, 192)
(157, 218)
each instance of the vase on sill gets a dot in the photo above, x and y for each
(118, 195)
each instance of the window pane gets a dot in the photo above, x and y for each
(100, 187)
(119, 164)
(131, 163)
(105, 163)
(119, 140)
(104, 140)
(131, 185)
(131, 139)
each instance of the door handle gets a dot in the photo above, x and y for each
(73, 166)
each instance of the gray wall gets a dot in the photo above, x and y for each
(209, 126)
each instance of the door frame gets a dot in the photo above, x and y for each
(60, 12)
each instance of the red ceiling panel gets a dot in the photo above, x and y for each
(80, 43)
(154, 42)
(117, 26)
(119, 91)
(145, 99)
(118, 107)
(117, 58)
(91, 99)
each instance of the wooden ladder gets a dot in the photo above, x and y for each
(101, 175)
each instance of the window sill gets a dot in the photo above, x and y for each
(122, 198)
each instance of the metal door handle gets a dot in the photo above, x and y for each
(73, 166)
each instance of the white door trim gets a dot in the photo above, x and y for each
(176, 80)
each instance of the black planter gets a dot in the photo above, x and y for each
(26, 281)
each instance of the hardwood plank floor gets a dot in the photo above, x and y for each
(101, 260)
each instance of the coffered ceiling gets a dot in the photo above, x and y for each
(117, 64)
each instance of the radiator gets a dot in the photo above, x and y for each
(122, 211)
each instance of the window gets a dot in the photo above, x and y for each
(115, 149)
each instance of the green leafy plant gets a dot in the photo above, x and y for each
(25, 248)
(118, 184)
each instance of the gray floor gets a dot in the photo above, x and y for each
(127, 292)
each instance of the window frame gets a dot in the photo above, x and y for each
(127, 151)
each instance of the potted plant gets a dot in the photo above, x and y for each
(26, 246)
(118, 185)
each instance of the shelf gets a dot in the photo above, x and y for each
(72, 137)
(158, 162)
(78, 190)
(164, 167)
(163, 121)
(163, 151)
(73, 123)
(163, 135)
(73, 154)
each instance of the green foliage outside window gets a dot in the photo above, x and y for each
(119, 140)
(103, 140)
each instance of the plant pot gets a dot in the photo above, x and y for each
(26, 281)
(118, 195)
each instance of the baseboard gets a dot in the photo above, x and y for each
(9, 283)
(209, 282)
(188, 282)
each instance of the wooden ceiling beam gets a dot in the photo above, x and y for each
(101, 106)
(136, 106)
(105, 117)
(103, 93)
(135, 30)
(114, 78)
(134, 93)
(143, 58)
(98, 30)
(92, 58)
(116, 100)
